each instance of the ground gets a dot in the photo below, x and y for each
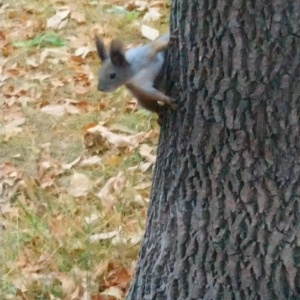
(75, 164)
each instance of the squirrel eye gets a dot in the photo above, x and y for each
(112, 75)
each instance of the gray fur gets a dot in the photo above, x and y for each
(132, 66)
(137, 69)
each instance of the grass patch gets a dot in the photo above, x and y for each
(53, 243)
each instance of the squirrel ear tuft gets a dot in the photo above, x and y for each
(102, 52)
(117, 55)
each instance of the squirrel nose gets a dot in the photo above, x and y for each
(100, 88)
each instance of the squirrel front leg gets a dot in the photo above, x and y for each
(162, 45)
(148, 101)
(147, 96)
(158, 46)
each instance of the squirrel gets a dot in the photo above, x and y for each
(138, 68)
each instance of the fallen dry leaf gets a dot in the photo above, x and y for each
(12, 72)
(113, 291)
(79, 17)
(116, 140)
(143, 186)
(93, 218)
(132, 105)
(72, 109)
(144, 167)
(40, 76)
(75, 295)
(91, 161)
(11, 129)
(80, 89)
(54, 110)
(136, 237)
(145, 151)
(137, 5)
(112, 160)
(68, 283)
(56, 21)
(119, 240)
(119, 277)
(139, 200)
(2, 36)
(30, 188)
(71, 164)
(10, 212)
(57, 228)
(103, 236)
(56, 82)
(112, 189)
(83, 51)
(47, 180)
(159, 4)
(10, 176)
(79, 186)
(58, 110)
(149, 32)
(47, 168)
(98, 297)
(152, 15)
(58, 54)
(32, 62)
(121, 128)
(15, 123)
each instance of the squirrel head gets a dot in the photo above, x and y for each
(115, 69)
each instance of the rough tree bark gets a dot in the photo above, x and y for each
(224, 215)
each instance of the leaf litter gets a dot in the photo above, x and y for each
(75, 164)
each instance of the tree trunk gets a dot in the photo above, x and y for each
(224, 215)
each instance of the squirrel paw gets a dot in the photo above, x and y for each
(174, 37)
(173, 106)
(160, 113)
